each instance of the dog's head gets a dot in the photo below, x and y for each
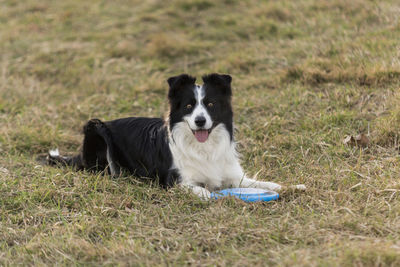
(201, 107)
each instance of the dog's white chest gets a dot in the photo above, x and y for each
(205, 163)
(203, 173)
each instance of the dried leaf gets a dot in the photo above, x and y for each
(349, 140)
(128, 210)
(360, 140)
(4, 170)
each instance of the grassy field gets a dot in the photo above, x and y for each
(306, 74)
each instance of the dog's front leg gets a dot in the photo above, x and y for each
(198, 190)
(239, 179)
(247, 182)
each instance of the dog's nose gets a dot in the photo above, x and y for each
(200, 121)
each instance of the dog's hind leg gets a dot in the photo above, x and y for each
(95, 151)
(98, 148)
(114, 168)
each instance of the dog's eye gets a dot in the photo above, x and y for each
(210, 105)
(188, 106)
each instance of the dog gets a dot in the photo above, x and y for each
(193, 147)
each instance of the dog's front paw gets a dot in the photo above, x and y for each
(204, 194)
(201, 192)
(292, 189)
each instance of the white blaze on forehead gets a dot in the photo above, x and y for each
(199, 93)
(199, 109)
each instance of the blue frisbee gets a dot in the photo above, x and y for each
(246, 194)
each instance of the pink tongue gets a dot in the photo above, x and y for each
(201, 135)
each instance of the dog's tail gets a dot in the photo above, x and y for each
(54, 158)
(97, 151)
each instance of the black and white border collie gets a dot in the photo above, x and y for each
(194, 147)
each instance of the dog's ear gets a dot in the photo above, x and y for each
(177, 83)
(221, 81)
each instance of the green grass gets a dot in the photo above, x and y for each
(305, 75)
